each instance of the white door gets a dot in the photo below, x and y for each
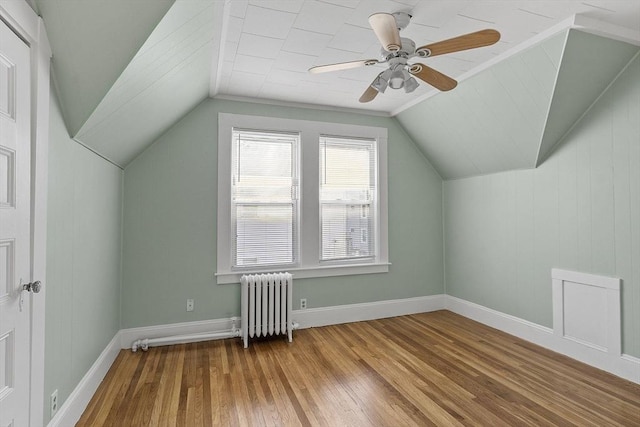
(15, 238)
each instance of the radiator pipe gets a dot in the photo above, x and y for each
(145, 343)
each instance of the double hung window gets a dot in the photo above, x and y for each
(347, 198)
(264, 198)
(302, 196)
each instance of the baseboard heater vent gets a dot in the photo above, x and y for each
(145, 343)
(266, 305)
(586, 310)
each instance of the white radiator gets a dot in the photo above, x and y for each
(266, 305)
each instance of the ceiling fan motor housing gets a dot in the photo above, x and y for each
(402, 19)
(408, 46)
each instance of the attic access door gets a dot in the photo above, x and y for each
(15, 235)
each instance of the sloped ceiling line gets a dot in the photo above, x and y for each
(560, 27)
(551, 85)
(165, 80)
(153, 55)
(127, 89)
(88, 55)
(221, 24)
(132, 97)
(590, 64)
(542, 156)
(509, 98)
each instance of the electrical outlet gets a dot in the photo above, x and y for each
(190, 304)
(303, 304)
(54, 402)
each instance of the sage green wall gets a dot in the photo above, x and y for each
(580, 210)
(169, 247)
(83, 259)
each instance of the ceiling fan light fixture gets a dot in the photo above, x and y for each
(410, 85)
(396, 80)
(380, 84)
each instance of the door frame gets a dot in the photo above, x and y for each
(19, 16)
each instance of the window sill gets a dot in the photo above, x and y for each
(310, 272)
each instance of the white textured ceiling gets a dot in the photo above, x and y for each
(268, 45)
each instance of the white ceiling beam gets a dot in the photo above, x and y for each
(605, 29)
(221, 23)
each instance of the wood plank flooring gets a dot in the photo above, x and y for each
(431, 369)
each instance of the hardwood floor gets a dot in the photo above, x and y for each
(431, 369)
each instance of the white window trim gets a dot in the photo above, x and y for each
(309, 231)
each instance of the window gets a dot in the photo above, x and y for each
(263, 198)
(302, 196)
(347, 190)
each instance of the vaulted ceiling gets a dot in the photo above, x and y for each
(125, 71)
(93, 42)
(511, 115)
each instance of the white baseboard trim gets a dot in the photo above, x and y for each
(309, 318)
(624, 366)
(73, 407)
(323, 316)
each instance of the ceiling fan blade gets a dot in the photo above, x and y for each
(386, 29)
(467, 41)
(342, 66)
(368, 94)
(433, 77)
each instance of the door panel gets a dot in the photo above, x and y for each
(15, 239)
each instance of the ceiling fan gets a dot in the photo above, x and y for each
(396, 51)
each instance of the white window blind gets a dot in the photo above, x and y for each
(264, 198)
(347, 198)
